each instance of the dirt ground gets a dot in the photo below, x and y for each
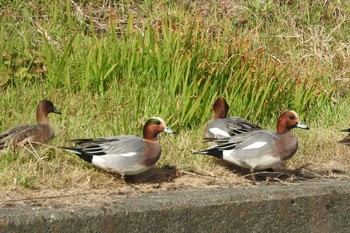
(161, 180)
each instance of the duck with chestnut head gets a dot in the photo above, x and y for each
(126, 154)
(260, 149)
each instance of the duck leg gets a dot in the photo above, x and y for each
(122, 177)
(253, 175)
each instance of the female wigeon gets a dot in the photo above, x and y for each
(346, 140)
(126, 155)
(24, 135)
(222, 126)
(260, 149)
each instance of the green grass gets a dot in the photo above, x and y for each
(109, 68)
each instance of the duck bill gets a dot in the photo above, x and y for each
(302, 126)
(168, 130)
(56, 111)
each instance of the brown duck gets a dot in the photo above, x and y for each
(24, 135)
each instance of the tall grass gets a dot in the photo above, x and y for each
(179, 69)
(176, 65)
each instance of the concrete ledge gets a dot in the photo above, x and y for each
(304, 207)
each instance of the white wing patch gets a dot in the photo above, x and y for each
(255, 145)
(129, 154)
(218, 131)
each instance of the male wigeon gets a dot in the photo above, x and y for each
(24, 135)
(127, 154)
(222, 126)
(260, 149)
(346, 140)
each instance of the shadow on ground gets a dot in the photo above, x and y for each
(155, 175)
(278, 174)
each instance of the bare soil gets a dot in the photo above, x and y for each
(160, 180)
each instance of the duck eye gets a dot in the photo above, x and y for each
(292, 117)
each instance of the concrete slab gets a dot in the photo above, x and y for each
(303, 207)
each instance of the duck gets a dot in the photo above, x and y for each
(222, 126)
(31, 134)
(260, 149)
(125, 154)
(346, 140)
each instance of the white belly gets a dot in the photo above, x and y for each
(256, 162)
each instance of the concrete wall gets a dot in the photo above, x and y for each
(303, 207)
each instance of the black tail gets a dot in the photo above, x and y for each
(4, 135)
(212, 151)
(3, 141)
(345, 141)
(80, 153)
(346, 130)
(2, 145)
